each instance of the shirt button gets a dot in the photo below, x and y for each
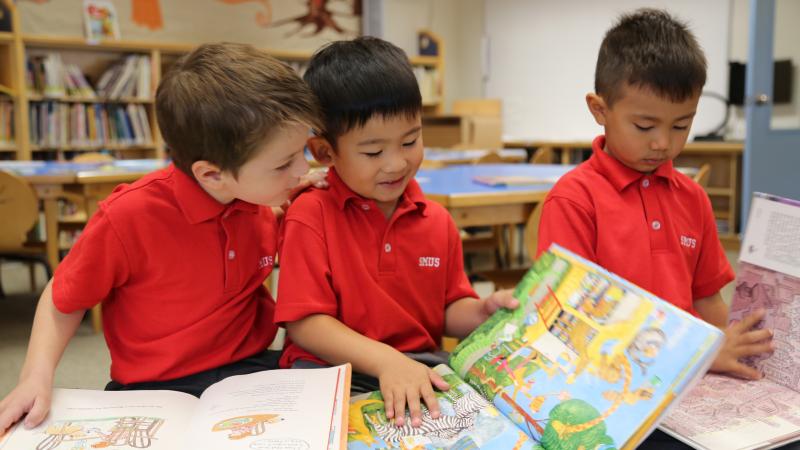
(365, 207)
(231, 254)
(387, 247)
(646, 183)
(656, 225)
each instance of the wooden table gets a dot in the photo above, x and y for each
(724, 186)
(90, 181)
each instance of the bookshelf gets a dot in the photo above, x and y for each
(54, 124)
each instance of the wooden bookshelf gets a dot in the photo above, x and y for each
(16, 48)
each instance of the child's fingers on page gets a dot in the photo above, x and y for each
(755, 349)
(429, 397)
(38, 412)
(388, 402)
(751, 337)
(744, 371)
(9, 415)
(414, 409)
(437, 381)
(399, 407)
(751, 319)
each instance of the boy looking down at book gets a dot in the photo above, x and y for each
(372, 271)
(178, 258)
(627, 208)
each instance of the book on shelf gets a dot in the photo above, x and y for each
(428, 81)
(587, 360)
(6, 122)
(277, 409)
(730, 413)
(128, 78)
(48, 76)
(88, 125)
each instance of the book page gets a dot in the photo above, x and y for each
(468, 421)
(277, 409)
(587, 360)
(84, 420)
(723, 412)
(772, 239)
(779, 294)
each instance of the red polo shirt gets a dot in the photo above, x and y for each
(656, 230)
(389, 280)
(179, 276)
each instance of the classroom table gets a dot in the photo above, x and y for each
(439, 157)
(476, 204)
(92, 181)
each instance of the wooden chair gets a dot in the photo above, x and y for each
(19, 207)
(543, 155)
(702, 175)
(93, 157)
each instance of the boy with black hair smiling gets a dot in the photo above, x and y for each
(627, 208)
(372, 272)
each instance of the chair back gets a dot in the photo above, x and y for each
(19, 208)
(492, 107)
(93, 157)
(531, 234)
(543, 155)
(702, 175)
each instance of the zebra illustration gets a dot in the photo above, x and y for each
(445, 427)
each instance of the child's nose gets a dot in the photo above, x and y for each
(395, 164)
(660, 143)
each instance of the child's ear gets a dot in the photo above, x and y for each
(207, 174)
(321, 149)
(597, 106)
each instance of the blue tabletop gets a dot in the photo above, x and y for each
(455, 180)
(43, 168)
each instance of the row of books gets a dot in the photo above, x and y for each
(49, 76)
(59, 125)
(6, 122)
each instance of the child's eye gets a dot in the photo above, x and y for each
(641, 128)
(409, 144)
(373, 154)
(284, 167)
(680, 127)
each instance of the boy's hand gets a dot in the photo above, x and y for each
(403, 381)
(30, 396)
(741, 341)
(499, 299)
(316, 179)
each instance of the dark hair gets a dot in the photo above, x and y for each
(356, 80)
(222, 101)
(650, 49)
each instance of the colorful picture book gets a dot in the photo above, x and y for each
(100, 20)
(588, 360)
(278, 409)
(729, 413)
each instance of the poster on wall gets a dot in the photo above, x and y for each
(100, 20)
(270, 24)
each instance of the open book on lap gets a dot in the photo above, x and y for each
(588, 360)
(279, 409)
(728, 413)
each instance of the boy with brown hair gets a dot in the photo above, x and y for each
(627, 208)
(178, 258)
(372, 271)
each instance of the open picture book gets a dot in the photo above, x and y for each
(278, 409)
(588, 360)
(728, 413)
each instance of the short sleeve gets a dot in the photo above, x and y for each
(458, 285)
(569, 225)
(305, 276)
(93, 268)
(713, 271)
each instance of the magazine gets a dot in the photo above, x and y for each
(278, 409)
(729, 413)
(588, 360)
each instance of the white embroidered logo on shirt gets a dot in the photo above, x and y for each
(265, 261)
(688, 242)
(428, 261)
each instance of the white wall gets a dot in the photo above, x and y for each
(460, 25)
(543, 55)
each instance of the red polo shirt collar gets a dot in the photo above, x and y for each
(196, 204)
(412, 198)
(622, 176)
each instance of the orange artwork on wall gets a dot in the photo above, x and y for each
(147, 13)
